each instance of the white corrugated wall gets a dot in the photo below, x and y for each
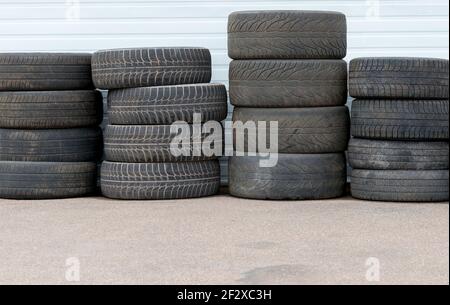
(376, 27)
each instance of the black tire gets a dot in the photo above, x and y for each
(400, 119)
(45, 71)
(395, 155)
(157, 181)
(402, 78)
(149, 144)
(51, 145)
(168, 104)
(147, 67)
(288, 83)
(295, 177)
(50, 109)
(400, 186)
(46, 180)
(300, 130)
(287, 34)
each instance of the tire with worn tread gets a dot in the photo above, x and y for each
(147, 67)
(398, 155)
(300, 130)
(401, 186)
(288, 83)
(287, 34)
(51, 145)
(401, 119)
(46, 180)
(295, 177)
(157, 181)
(168, 104)
(50, 109)
(399, 78)
(45, 71)
(151, 144)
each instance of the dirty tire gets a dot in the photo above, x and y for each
(51, 145)
(300, 130)
(131, 68)
(400, 119)
(396, 155)
(157, 181)
(168, 104)
(402, 78)
(45, 71)
(50, 109)
(400, 186)
(288, 83)
(149, 144)
(287, 34)
(315, 176)
(46, 180)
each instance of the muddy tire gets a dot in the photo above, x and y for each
(157, 181)
(168, 104)
(295, 177)
(287, 34)
(46, 180)
(401, 186)
(131, 68)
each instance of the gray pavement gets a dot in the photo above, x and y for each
(223, 240)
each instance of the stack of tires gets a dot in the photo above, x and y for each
(151, 91)
(288, 68)
(400, 125)
(50, 141)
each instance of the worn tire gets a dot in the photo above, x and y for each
(50, 109)
(396, 155)
(399, 78)
(400, 119)
(147, 67)
(157, 181)
(316, 176)
(148, 144)
(287, 34)
(400, 186)
(46, 180)
(288, 83)
(168, 104)
(300, 130)
(51, 145)
(45, 71)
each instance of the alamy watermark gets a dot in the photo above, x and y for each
(73, 271)
(373, 272)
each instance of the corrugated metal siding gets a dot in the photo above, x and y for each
(376, 27)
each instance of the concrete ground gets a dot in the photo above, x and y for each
(223, 240)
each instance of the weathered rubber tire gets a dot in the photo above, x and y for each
(288, 83)
(46, 180)
(51, 145)
(45, 71)
(50, 109)
(400, 186)
(287, 34)
(300, 130)
(147, 67)
(157, 181)
(396, 155)
(168, 104)
(400, 119)
(402, 78)
(296, 177)
(148, 144)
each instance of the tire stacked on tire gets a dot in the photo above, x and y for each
(287, 67)
(150, 89)
(400, 127)
(49, 135)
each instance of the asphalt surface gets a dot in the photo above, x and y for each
(223, 240)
